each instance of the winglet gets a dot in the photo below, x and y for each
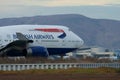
(20, 36)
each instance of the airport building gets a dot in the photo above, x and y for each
(94, 52)
(117, 53)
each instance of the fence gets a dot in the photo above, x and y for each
(17, 67)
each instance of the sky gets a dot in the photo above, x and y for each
(99, 9)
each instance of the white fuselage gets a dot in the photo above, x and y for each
(42, 35)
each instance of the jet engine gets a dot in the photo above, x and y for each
(37, 51)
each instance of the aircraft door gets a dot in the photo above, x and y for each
(64, 43)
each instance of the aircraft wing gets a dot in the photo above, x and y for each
(18, 45)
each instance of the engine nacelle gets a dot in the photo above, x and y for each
(37, 51)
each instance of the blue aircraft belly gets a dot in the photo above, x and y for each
(59, 51)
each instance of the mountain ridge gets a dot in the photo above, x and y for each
(95, 32)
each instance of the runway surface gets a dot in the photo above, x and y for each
(60, 76)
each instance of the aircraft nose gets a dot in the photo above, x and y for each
(80, 42)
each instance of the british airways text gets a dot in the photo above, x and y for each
(35, 36)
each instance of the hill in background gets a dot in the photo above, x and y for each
(95, 32)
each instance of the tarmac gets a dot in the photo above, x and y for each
(60, 76)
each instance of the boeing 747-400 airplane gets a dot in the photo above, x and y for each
(37, 40)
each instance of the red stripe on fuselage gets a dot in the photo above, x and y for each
(49, 30)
